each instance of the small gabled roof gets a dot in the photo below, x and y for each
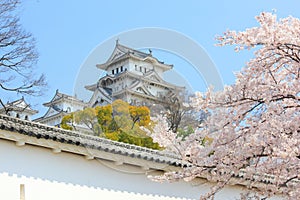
(92, 87)
(104, 93)
(153, 77)
(52, 111)
(58, 97)
(95, 86)
(139, 85)
(121, 52)
(19, 105)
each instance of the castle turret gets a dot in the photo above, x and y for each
(59, 106)
(19, 109)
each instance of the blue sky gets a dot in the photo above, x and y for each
(68, 31)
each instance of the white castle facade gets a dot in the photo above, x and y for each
(133, 76)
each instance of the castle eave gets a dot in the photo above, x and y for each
(104, 66)
(91, 87)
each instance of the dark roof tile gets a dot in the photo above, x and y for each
(39, 131)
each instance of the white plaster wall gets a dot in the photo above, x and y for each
(22, 115)
(51, 122)
(54, 122)
(14, 114)
(73, 107)
(139, 64)
(125, 65)
(159, 71)
(67, 176)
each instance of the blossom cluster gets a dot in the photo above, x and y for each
(253, 126)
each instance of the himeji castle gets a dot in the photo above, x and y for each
(133, 76)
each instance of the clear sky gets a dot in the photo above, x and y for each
(67, 31)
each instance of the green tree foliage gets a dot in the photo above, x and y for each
(66, 121)
(88, 118)
(104, 117)
(118, 121)
(140, 115)
(82, 120)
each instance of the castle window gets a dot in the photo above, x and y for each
(17, 116)
(145, 70)
(117, 70)
(113, 71)
(26, 117)
(135, 67)
(140, 69)
(121, 68)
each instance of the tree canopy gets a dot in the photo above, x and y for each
(254, 124)
(117, 121)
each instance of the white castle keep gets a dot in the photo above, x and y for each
(133, 76)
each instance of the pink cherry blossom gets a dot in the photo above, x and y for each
(252, 132)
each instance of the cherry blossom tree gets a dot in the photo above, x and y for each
(252, 132)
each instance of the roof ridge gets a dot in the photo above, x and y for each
(131, 49)
(38, 130)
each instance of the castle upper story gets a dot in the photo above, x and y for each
(124, 58)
